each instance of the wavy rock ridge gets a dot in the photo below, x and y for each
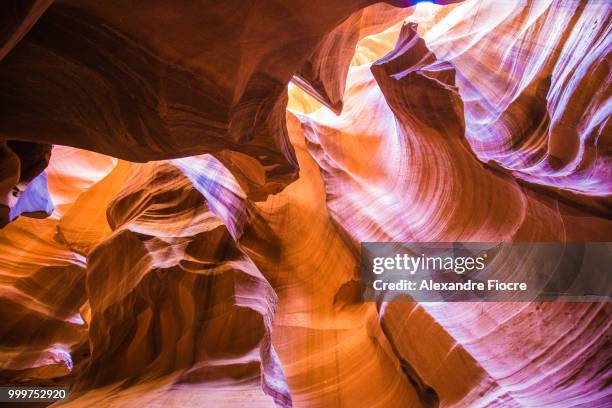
(184, 189)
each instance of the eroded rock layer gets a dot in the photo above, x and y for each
(184, 188)
(535, 79)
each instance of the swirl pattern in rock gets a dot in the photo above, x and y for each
(160, 247)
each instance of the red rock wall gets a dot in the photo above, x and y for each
(184, 187)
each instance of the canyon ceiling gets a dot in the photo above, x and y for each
(184, 187)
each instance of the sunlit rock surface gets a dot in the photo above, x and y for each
(186, 301)
(535, 79)
(23, 186)
(42, 287)
(323, 75)
(480, 356)
(204, 249)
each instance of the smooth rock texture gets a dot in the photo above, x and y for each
(463, 366)
(535, 78)
(186, 301)
(42, 288)
(23, 188)
(323, 75)
(184, 187)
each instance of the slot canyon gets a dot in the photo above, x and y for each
(185, 186)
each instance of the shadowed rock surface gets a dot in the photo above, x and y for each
(184, 188)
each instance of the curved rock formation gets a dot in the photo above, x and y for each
(23, 188)
(538, 103)
(16, 19)
(366, 197)
(42, 288)
(185, 302)
(323, 75)
(167, 252)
